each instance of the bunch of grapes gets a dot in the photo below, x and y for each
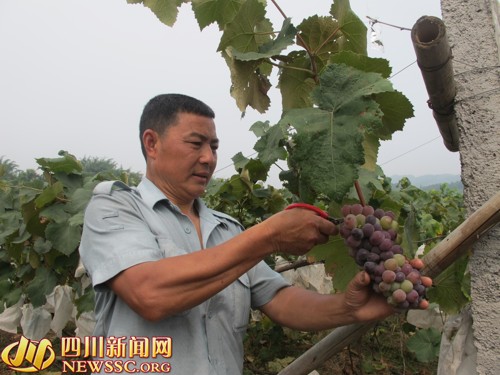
(373, 241)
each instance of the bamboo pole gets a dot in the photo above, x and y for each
(462, 238)
(440, 257)
(434, 58)
(325, 349)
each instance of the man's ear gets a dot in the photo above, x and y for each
(150, 141)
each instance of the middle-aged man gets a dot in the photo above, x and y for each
(164, 265)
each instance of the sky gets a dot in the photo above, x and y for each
(76, 74)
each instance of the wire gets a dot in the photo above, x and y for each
(411, 150)
(401, 70)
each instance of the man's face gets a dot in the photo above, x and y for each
(184, 158)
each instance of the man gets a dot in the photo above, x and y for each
(164, 265)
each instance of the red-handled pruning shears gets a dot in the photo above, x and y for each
(317, 210)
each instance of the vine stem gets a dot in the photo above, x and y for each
(360, 193)
(303, 44)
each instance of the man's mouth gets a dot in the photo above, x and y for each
(204, 175)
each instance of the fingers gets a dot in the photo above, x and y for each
(298, 230)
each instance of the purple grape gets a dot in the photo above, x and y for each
(357, 233)
(344, 231)
(350, 221)
(384, 287)
(400, 276)
(406, 268)
(346, 210)
(412, 296)
(379, 213)
(368, 229)
(392, 233)
(373, 257)
(367, 210)
(379, 270)
(399, 296)
(353, 242)
(356, 209)
(405, 305)
(376, 238)
(385, 245)
(397, 249)
(384, 255)
(420, 289)
(365, 243)
(362, 255)
(388, 276)
(370, 267)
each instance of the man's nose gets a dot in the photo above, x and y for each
(208, 155)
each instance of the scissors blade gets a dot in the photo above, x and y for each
(317, 210)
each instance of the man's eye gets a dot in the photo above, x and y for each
(196, 144)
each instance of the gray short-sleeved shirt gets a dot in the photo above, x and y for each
(126, 226)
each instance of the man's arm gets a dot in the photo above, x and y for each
(306, 310)
(165, 287)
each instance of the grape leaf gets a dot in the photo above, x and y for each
(425, 344)
(397, 109)
(296, 81)
(318, 35)
(165, 10)
(351, 27)
(371, 146)
(327, 155)
(55, 212)
(246, 33)
(328, 144)
(66, 163)
(272, 48)
(447, 290)
(270, 144)
(64, 237)
(338, 263)
(49, 194)
(343, 88)
(85, 302)
(249, 86)
(219, 11)
(239, 161)
(362, 62)
(79, 199)
(248, 30)
(42, 284)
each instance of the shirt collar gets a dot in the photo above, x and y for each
(151, 195)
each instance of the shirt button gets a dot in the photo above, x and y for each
(187, 230)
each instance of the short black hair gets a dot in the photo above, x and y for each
(162, 110)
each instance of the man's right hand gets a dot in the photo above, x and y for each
(297, 231)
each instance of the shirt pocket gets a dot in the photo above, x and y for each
(241, 300)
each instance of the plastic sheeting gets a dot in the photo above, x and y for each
(58, 311)
(457, 354)
(10, 318)
(312, 277)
